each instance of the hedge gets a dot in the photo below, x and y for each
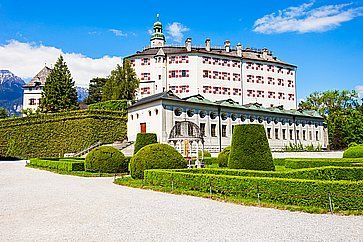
(297, 163)
(115, 105)
(52, 135)
(106, 159)
(209, 160)
(354, 152)
(144, 139)
(346, 195)
(156, 156)
(320, 173)
(61, 164)
(224, 156)
(250, 148)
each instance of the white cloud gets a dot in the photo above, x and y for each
(27, 59)
(118, 33)
(304, 18)
(359, 89)
(176, 31)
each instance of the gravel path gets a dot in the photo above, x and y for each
(42, 206)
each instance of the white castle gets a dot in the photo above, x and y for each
(197, 94)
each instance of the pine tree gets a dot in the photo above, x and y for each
(121, 84)
(59, 93)
(95, 90)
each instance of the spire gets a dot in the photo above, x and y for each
(157, 38)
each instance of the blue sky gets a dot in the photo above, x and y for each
(323, 38)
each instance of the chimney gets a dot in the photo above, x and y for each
(227, 45)
(188, 44)
(265, 53)
(239, 49)
(207, 44)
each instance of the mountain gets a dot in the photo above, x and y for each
(11, 92)
(82, 93)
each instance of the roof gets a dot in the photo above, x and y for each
(39, 78)
(247, 53)
(229, 103)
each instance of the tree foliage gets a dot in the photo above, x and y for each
(3, 113)
(121, 84)
(343, 113)
(59, 92)
(95, 90)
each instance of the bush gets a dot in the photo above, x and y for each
(354, 152)
(250, 149)
(346, 195)
(223, 157)
(210, 160)
(144, 139)
(156, 156)
(113, 105)
(206, 154)
(297, 163)
(352, 144)
(52, 135)
(59, 164)
(106, 159)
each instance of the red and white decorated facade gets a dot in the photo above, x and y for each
(244, 75)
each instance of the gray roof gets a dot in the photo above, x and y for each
(247, 53)
(39, 78)
(229, 103)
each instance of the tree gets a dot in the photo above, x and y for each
(121, 84)
(3, 113)
(59, 93)
(343, 114)
(95, 90)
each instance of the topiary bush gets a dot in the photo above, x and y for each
(223, 157)
(354, 152)
(144, 139)
(106, 159)
(156, 156)
(250, 149)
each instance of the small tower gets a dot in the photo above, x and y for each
(157, 38)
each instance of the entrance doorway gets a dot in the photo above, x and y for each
(143, 128)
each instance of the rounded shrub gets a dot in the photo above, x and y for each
(206, 154)
(354, 152)
(250, 149)
(223, 157)
(106, 159)
(156, 156)
(144, 139)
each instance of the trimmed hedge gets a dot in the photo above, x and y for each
(206, 154)
(144, 139)
(156, 156)
(354, 152)
(106, 159)
(321, 173)
(52, 135)
(59, 164)
(223, 157)
(250, 149)
(297, 163)
(114, 105)
(346, 195)
(210, 160)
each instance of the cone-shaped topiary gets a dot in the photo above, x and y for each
(156, 156)
(223, 157)
(144, 139)
(250, 149)
(354, 152)
(106, 159)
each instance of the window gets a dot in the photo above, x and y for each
(317, 135)
(310, 135)
(202, 129)
(283, 134)
(205, 73)
(177, 130)
(269, 133)
(190, 130)
(183, 73)
(213, 130)
(298, 134)
(156, 112)
(304, 134)
(159, 77)
(276, 133)
(32, 101)
(224, 130)
(173, 74)
(291, 134)
(149, 113)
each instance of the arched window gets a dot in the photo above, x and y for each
(156, 112)
(149, 113)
